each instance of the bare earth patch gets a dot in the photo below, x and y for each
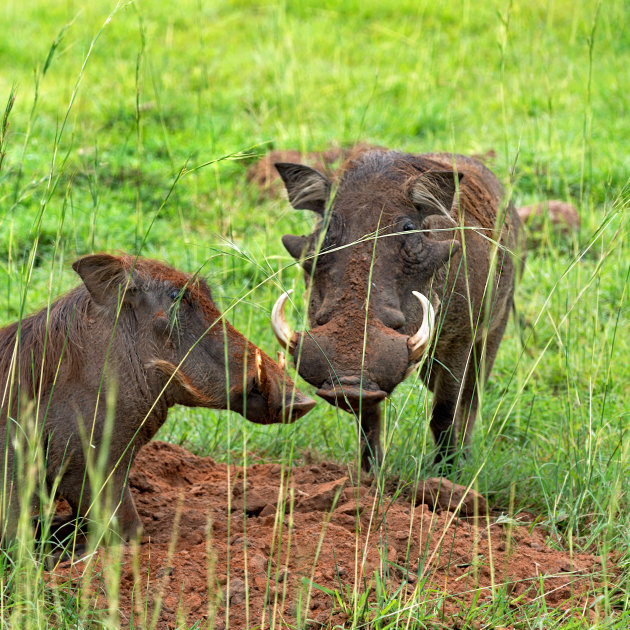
(561, 214)
(292, 531)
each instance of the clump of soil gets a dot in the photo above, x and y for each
(262, 543)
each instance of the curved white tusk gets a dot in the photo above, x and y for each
(279, 323)
(418, 343)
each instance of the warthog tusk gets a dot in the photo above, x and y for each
(282, 360)
(418, 343)
(259, 369)
(279, 323)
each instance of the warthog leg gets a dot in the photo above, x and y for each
(456, 394)
(476, 377)
(128, 518)
(371, 452)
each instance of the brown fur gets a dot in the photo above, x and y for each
(42, 339)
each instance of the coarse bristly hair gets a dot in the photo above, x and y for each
(31, 349)
(423, 193)
(475, 194)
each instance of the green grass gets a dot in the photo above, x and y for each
(108, 112)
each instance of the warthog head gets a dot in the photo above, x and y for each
(405, 240)
(368, 268)
(182, 337)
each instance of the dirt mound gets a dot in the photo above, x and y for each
(263, 543)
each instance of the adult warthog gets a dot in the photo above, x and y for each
(410, 244)
(147, 334)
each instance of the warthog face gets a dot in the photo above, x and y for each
(407, 238)
(369, 267)
(184, 336)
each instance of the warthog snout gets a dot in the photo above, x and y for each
(354, 365)
(350, 393)
(266, 399)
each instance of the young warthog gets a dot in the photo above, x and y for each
(146, 334)
(402, 227)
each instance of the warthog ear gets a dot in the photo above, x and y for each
(307, 189)
(433, 192)
(106, 278)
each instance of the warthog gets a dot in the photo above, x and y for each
(409, 244)
(150, 335)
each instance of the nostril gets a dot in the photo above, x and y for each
(323, 316)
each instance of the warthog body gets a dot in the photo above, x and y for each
(136, 338)
(435, 224)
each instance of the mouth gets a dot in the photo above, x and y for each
(298, 407)
(258, 409)
(350, 394)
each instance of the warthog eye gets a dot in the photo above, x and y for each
(179, 295)
(409, 225)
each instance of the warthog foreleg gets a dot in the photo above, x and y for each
(446, 412)
(371, 452)
(128, 517)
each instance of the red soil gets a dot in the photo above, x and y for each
(255, 572)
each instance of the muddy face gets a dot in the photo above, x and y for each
(183, 337)
(362, 264)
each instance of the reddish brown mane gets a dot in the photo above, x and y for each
(154, 270)
(43, 339)
(478, 191)
(477, 194)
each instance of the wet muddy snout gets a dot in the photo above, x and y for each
(269, 396)
(351, 394)
(348, 371)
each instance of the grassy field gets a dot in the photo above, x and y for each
(129, 128)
